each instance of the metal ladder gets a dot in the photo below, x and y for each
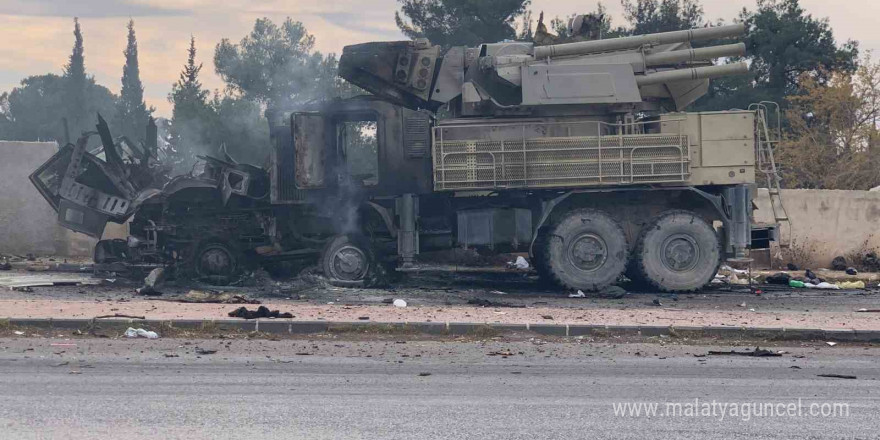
(768, 138)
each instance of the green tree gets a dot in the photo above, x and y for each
(192, 116)
(132, 113)
(460, 22)
(784, 44)
(34, 110)
(832, 135)
(77, 84)
(277, 66)
(652, 16)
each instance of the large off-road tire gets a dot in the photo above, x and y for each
(347, 261)
(217, 262)
(677, 252)
(585, 250)
(537, 259)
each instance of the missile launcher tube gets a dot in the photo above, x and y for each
(704, 53)
(612, 44)
(669, 76)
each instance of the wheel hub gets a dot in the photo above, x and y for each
(216, 261)
(680, 253)
(588, 252)
(349, 263)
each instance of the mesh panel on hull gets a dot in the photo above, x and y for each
(554, 162)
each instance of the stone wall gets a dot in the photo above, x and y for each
(826, 223)
(27, 222)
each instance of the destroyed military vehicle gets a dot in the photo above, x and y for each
(579, 154)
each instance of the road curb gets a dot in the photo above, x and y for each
(280, 326)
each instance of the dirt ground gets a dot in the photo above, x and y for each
(475, 295)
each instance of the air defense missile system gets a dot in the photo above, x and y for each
(643, 73)
(578, 153)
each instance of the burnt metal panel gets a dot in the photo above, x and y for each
(417, 136)
(310, 150)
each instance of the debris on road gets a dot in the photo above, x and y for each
(19, 282)
(520, 263)
(213, 297)
(261, 312)
(120, 315)
(5, 265)
(579, 294)
(851, 271)
(399, 303)
(831, 344)
(153, 282)
(868, 310)
(837, 376)
(140, 333)
(851, 285)
(839, 263)
(758, 352)
(18, 333)
(486, 303)
(424, 374)
(780, 278)
(204, 351)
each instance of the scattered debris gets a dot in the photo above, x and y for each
(612, 292)
(364, 318)
(5, 265)
(504, 353)
(548, 317)
(204, 351)
(62, 364)
(657, 302)
(170, 355)
(498, 292)
(839, 263)
(868, 310)
(153, 282)
(851, 285)
(520, 263)
(261, 312)
(120, 315)
(19, 282)
(428, 374)
(579, 294)
(213, 297)
(140, 333)
(18, 333)
(795, 367)
(838, 376)
(486, 303)
(792, 266)
(780, 278)
(758, 352)
(796, 284)
(831, 344)
(851, 271)
(399, 303)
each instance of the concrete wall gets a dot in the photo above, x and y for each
(827, 223)
(27, 222)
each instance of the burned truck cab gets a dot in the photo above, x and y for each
(358, 148)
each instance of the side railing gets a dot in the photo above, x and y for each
(558, 154)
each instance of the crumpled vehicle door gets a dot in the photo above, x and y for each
(85, 190)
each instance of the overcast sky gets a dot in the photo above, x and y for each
(36, 35)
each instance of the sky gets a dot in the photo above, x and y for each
(36, 36)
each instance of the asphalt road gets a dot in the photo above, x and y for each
(329, 388)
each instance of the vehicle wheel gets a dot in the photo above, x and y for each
(347, 261)
(678, 252)
(586, 250)
(217, 262)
